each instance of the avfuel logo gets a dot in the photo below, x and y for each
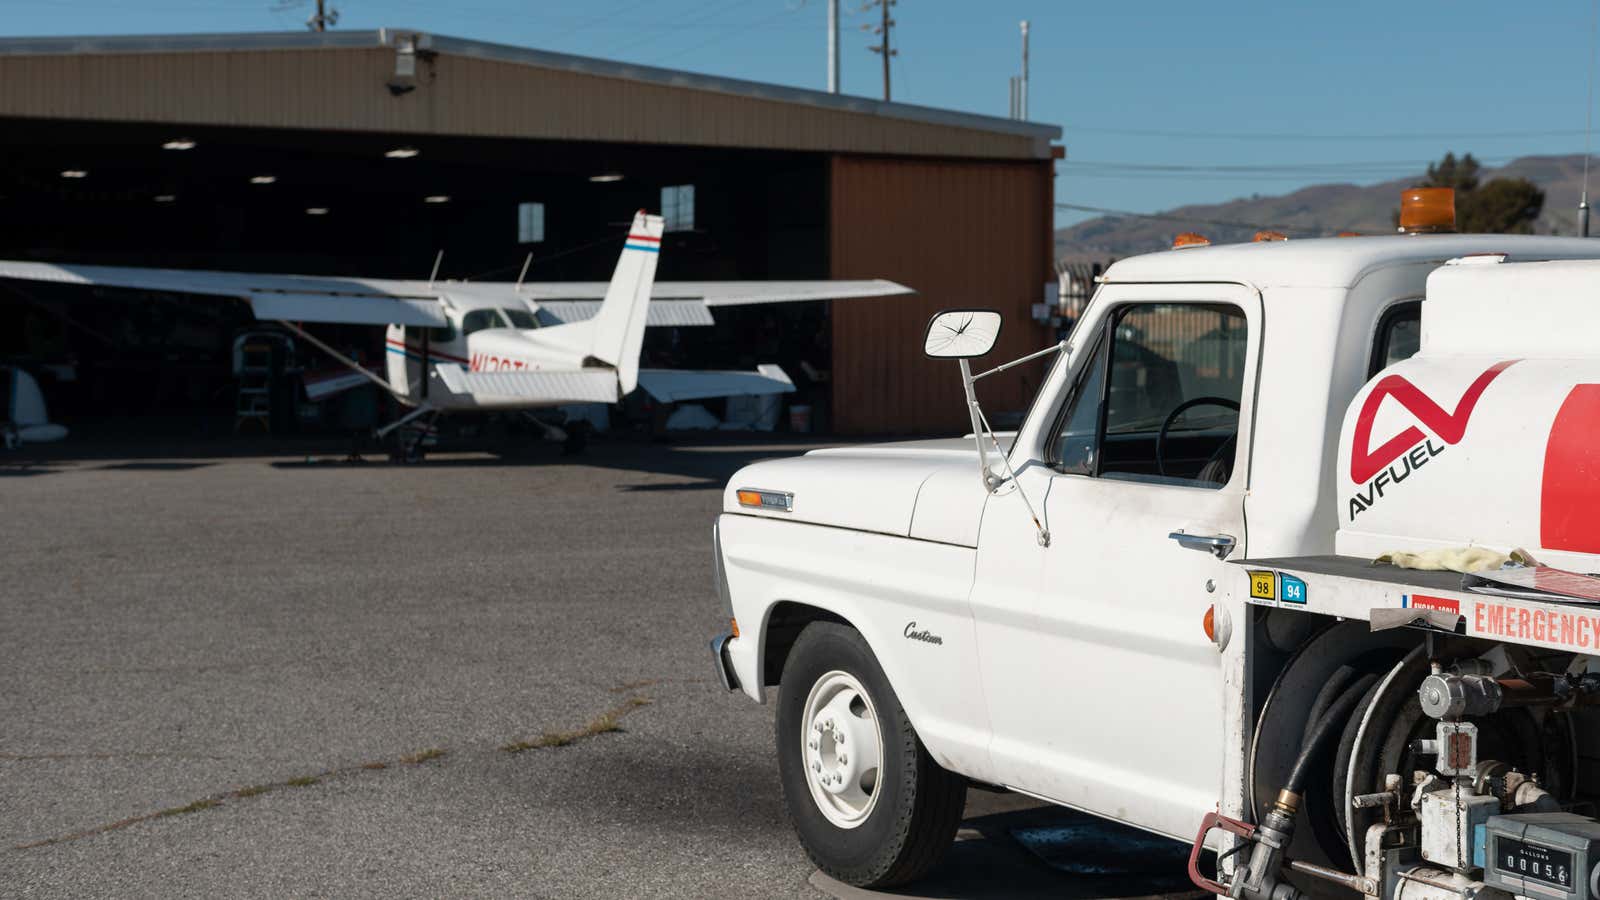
(1411, 449)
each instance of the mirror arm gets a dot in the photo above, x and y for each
(982, 429)
(976, 415)
(1017, 362)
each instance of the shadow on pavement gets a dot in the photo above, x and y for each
(1016, 848)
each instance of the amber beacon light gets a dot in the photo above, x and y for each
(1190, 239)
(1425, 210)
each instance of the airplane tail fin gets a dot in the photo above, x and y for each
(618, 329)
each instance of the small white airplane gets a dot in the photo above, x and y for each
(458, 346)
(23, 419)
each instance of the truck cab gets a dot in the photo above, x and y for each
(1066, 616)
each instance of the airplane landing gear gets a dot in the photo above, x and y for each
(406, 435)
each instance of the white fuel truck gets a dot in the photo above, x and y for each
(1157, 602)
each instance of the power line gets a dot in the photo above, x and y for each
(732, 32)
(1248, 168)
(1302, 136)
(1177, 217)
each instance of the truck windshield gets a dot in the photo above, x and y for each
(1159, 400)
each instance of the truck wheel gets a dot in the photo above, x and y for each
(871, 807)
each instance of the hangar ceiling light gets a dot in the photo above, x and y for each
(263, 179)
(166, 198)
(436, 198)
(74, 173)
(401, 153)
(316, 210)
(178, 144)
(605, 177)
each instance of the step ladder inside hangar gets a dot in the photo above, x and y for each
(258, 359)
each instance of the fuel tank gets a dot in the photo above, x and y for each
(1490, 435)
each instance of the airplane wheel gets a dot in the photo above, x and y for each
(871, 807)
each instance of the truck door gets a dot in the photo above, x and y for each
(1104, 691)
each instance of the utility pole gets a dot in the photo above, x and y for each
(833, 46)
(884, 48)
(1023, 110)
(323, 17)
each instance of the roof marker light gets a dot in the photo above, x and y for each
(1350, 234)
(401, 153)
(263, 179)
(74, 173)
(1427, 210)
(179, 144)
(1268, 235)
(606, 177)
(1190, 239)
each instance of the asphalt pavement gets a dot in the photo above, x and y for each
(279, 674)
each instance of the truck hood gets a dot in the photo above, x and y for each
(868, 488)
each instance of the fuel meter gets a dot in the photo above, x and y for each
(1555, 855)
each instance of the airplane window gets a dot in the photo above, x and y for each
(479, 319)
(520, 318)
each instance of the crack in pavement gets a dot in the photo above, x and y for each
(605, 723)
(34, 757)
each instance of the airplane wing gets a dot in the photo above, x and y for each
(384, 301)
(676, 313)
(298, 298)
(677, 385)
(726, 293)
(591, 386)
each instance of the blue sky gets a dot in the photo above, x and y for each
(1294, 93)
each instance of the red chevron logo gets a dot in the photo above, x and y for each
(1448, 426)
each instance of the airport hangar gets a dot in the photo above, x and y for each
(219, 151)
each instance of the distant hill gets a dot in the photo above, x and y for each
(1322, 209)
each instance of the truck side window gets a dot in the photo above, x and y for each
(1159, 400)
(1080, 430)
(1399, 336)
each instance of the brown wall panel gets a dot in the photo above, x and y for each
(343, 89)
(960, 233)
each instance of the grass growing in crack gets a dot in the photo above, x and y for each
(374, 766)
(303, 781)
(420, 757)
(605, 723)
(252, 791)
(196, 806)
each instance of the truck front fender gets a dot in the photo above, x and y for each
(908, 599)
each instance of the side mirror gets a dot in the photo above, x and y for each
(961, 333)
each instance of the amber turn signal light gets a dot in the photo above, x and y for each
(734, 624)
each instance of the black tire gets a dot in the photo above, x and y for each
(918, 806)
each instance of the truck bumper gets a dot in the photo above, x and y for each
(719, 652)
(735, 659)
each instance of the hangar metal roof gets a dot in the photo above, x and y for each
(339, 80)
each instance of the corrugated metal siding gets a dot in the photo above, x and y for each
(963, 234)
(344, 89)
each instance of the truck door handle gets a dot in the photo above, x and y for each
(1218, 545)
